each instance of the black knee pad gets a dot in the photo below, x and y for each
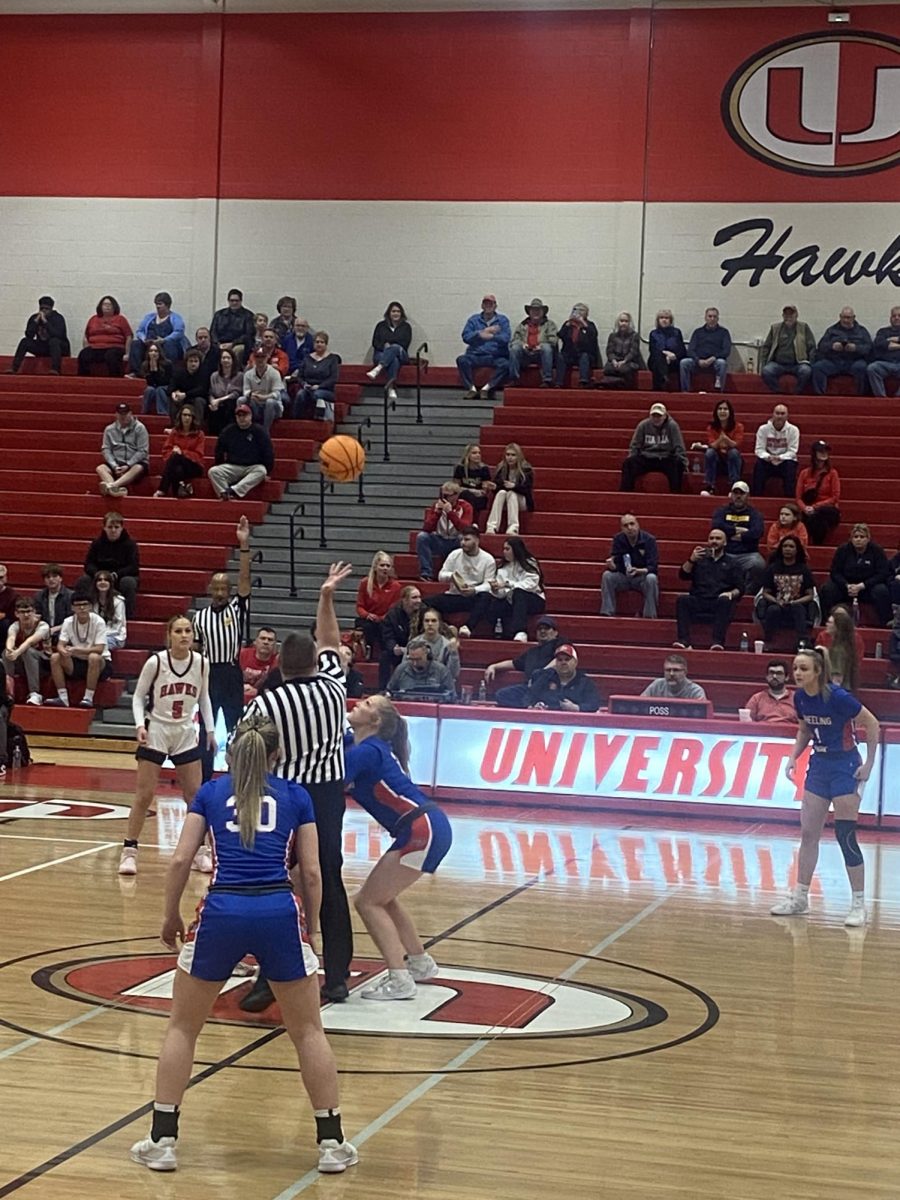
(845, 832)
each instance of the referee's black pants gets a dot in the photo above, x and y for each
(337, 931)
(226, 691)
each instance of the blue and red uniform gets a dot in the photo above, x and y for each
(835, 758)
(378, 783)
(250, 907)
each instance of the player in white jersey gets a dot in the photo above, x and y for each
(175, 683)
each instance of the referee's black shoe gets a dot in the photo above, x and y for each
(259, 997)
(335, 993)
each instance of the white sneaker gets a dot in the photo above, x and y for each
(392, 394)
(203, 860)
(856, 917)
(375, 372)
(706, 493)
(792, 907)
(35, 698)
(471, 394)
(486, 392)
(521, 637)
(158, 1156)
(491, 528)
(335, 1157)
(465, 631)
(422, 966)
(128, 861)
(392, 987)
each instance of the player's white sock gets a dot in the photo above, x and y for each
(64, 695)
(88, 695)
(802, 889)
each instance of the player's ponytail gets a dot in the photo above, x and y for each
(255, 740)
(393, 729)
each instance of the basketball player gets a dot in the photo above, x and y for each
(175, 681)
(377, 762)
(255, 821)
(827, 716)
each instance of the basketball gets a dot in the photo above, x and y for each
(342, 458)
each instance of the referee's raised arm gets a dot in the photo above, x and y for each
(328, 634)
(243, 538)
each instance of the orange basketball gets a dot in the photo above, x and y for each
(342, 458)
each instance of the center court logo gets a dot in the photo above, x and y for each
(819, 104)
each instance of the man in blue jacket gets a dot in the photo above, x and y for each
(486, 335)
(708, 348)
(843, 349)
(743, 527)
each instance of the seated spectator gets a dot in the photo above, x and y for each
(787, 525)
(469, 571)
(656, 445)
(209, 356)
(115, 551)
(775, 703)
(390, 346)
(297, 345)
(107, 339)
(81, 652)
(54, 601)
(318, 377)
(819, 494)
(189, 386)
(45, 337)
(442, 527)
(275, 356)
(486, 335)
(716, 586)
(534, 340)
(395, 632)
(667, 349)
(885, 355)
(623, 354)
(109, 604)
(245, 456)
(441, 638)
(789, 349)
(376, 595)
(225, 389)
(742, 525)
(8, 600)
(777, 444)
(674, 683)
(258, 660)
(263, 390)
(354, 684)
(561, 686)
(26, 649)
(722, 453)
(162, 326)
(513, 490)
(283, 324)
(182, 455)
(548, 640)
(894, 581)
(156, 372)
(232, 328)
(709, 348)
(788, 592)
(579, 347)
(845, 646)
(126, 453)
(419, 673)
(260, 325)
(859, 571)
(516, 592)
(474, 478)
(843, 349)
(633, 565)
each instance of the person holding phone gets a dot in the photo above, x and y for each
(716, 586)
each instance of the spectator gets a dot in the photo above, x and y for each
(674, 683)
(376, 595)
(845, 646)
(656, 445)
(126, 453)
(25, 650)
(298, 344)
(775, 703)
(789, 349)
(162, 326)
(442, 527)
(182, 455)
(469, 571)
(45, 337)
(787, 525)
(788, 591)
(318, 376)
(859, 571)
(894, 581)
(623, 354)
(513, 490)
(390, 346)
(232, 327)
(534, 659)
(189, 385)
(441, 638)
(8, 600)
(819, 493)
(354, 684)
(54, 601)
(258, 660)
(722, 453)
(709, 348)
(843, 349)
(885, 355)
(81, 653)
(516, 592)
(156, 372)
(244, 456)
(534, 341)
(579, 346)
(263, 390)
(633, 565)
(109, 604)
(561, 686)
(667, 350)
(395, 632)
(115, 551)
(486, 335)
(716, 585)
(777, 443)
(275, 356)
(474, 478)
(107, 339)
(418, 672)
(283, 324)
(209, 356)
(260, 325)
(225, 388)
(743, 528)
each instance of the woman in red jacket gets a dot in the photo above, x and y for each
(378, 592)
(182, 454)
(819, 494)
(107, 338)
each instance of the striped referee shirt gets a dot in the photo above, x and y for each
(310, 715)
(217, 630)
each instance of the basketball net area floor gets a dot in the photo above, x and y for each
(616, 1016)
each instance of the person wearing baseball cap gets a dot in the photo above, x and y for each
(245, 456)
(126, 453)
(486, 335)
(561, 686)
(656, 445)
(534, 341)
(819, 493)
(547, 637)
(743, 527)
(45, 337)
(789, 349)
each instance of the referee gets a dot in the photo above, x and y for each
(310, 712)
(217, 632)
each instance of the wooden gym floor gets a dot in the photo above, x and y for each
(616, 1016)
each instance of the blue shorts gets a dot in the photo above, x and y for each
(830, 775)
(230, 925)
(425, 842)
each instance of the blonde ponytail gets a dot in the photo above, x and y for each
(255, 740)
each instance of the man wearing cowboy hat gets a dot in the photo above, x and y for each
(486, 335)
(536, 338)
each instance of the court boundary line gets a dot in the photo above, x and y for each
(54, 862)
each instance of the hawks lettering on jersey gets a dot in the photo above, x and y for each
(173, 687)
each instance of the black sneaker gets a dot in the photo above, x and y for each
(335, 993)
(259, 997)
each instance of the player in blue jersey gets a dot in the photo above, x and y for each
(254, 821)
(377, 762)
(827, 716)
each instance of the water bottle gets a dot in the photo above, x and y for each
(695, 465)
(745, 641)
(498, 628)
(856, 613)
(17, 757)
(482, 691)
(879, 649)
(626, 562)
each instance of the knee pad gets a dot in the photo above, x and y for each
(845, 832)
